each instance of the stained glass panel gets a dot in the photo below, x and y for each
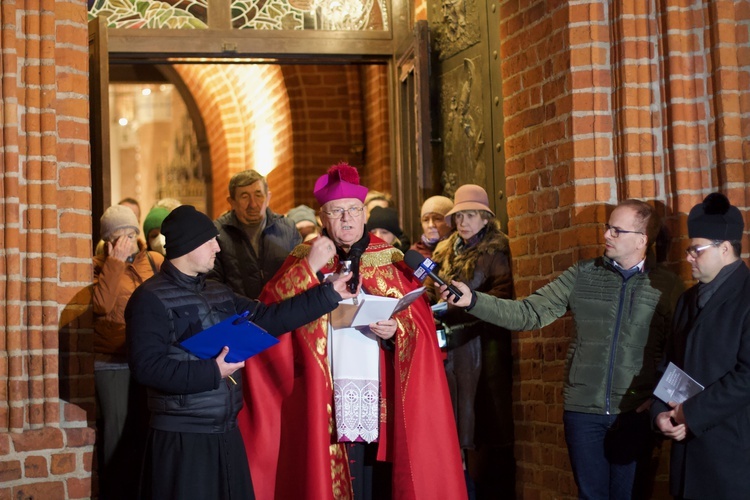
(343, 15)
(332, 15)
(150, 14)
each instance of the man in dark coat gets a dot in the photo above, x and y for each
(195, 449)
(711, 343)
(254, 240)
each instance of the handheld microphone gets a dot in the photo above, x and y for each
(355, 254)
(425, 267)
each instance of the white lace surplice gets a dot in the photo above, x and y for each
(354, 357)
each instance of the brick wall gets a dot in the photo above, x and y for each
(605, 101)
(246, 113)
(377, 172)
(298, 119)
(336, 117)
(602, 101)
(45, 256)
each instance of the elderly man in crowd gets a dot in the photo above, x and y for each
(346, 413)
(254, 241)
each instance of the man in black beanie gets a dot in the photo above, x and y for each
(195, 449)
(711, 342)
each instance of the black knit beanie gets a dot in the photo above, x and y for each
(715, 219)
(384, 218)
(185, 229)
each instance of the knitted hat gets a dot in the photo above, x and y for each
(154, 219)
(117, 217)
(341, 181)
(715, 219)
(437, 205)
(469, 197)
(302, 213)
(384, 218)
(185, 229)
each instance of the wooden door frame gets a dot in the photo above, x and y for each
(101, 189)
(415, 178)
(223, 44)
(269, 46)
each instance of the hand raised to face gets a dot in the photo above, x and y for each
(322, 250)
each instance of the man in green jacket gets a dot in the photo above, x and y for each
(622, 305)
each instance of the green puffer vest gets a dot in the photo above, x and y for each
(620, 330)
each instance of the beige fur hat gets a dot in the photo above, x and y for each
(117, 217)
(437, 205)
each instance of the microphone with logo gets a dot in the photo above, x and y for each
(425, 267)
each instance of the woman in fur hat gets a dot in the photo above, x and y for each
(479, 363)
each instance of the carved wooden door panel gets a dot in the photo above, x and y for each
(468, 110)
(415, 177)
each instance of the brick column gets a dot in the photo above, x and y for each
(45, 257)
(604, 101)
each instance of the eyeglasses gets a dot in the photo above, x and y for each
(695, 251)
(337, 213)
(616, 231)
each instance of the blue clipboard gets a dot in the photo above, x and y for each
(244, 339)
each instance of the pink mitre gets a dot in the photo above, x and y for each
(341, 181)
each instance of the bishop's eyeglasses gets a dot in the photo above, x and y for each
(337, 213)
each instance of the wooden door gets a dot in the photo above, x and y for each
(416, 179)
(99, 122)
(469, 114)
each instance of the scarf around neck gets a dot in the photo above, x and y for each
(707, 290)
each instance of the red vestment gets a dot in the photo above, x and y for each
(288, 419)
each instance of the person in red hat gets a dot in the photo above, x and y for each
(345, 413)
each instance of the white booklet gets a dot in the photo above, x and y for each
(676, 385)
(367, 309)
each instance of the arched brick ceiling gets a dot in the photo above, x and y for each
(245, 109)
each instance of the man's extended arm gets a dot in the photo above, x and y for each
(535, 311)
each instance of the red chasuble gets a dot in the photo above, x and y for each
(288, 419)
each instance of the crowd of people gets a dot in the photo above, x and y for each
(385, 409)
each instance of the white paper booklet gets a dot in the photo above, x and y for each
(676, 385)
(370, 309)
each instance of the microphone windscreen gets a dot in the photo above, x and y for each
(413, 259)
